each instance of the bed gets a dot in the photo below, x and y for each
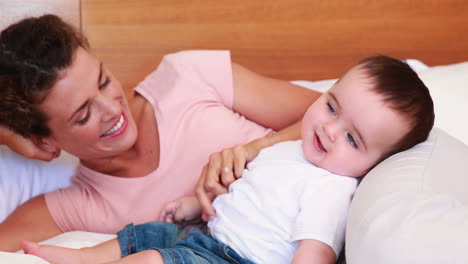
(412, 208)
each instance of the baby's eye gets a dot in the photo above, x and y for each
(351, 140)
(331, 109)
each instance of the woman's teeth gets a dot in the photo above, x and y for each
(115, 128)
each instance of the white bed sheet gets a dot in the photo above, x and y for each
(76, 239)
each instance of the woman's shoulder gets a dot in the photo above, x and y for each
(188, 62)
(201, 70)
(195, 55)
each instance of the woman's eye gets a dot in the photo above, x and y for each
(83, 120)
(105, 83)
(351, 140)
(331, 109)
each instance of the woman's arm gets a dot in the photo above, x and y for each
(314, 251)
(31, 221)
(270, 102)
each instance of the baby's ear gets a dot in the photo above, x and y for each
(46, 145)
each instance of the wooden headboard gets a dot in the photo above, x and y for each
(289, 39)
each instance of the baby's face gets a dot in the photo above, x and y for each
(349, 128)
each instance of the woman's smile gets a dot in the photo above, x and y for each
(117, 129)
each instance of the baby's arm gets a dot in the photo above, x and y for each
(314, 251)
(185, 210)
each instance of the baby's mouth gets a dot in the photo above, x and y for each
(318, 144)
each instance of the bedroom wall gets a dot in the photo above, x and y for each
(290, 39)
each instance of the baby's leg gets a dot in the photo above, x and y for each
(102, 253)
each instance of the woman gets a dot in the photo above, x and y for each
(135, 155)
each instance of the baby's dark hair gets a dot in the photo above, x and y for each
(33, 53)
(403, 91)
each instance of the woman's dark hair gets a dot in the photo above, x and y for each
(33, 53)
(403, 91)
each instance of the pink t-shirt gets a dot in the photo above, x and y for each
(192, 95)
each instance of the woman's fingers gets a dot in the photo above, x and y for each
(227, 170)
(240, 156)
(221, 171)
(213, 180)
(205, 197)
(24, 146)
(29, 150)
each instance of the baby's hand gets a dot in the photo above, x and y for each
(183, 211)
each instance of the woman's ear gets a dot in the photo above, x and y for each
(46, 145)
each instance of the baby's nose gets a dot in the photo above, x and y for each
(331, 129)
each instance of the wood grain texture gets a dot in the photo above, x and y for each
(288, 39)
(12, 10)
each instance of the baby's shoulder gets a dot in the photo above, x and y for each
(287, 150)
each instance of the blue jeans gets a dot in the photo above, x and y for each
(176, 245)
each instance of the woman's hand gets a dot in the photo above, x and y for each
(223, 169)
(226, 166)
(23, 146)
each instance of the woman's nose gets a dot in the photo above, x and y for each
(110, 108)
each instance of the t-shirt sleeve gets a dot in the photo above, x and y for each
(324, 210)
(211, 67)
(64, 206)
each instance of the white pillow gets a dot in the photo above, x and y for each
(22, 178)
(413, 207)
(448, 85)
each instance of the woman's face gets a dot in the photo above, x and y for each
(88, 113)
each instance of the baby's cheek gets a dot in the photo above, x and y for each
(307, 151)
(342, 163)
(358, 168)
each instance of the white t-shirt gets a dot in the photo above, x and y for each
(280, 199)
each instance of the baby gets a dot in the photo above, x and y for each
(291, 204)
